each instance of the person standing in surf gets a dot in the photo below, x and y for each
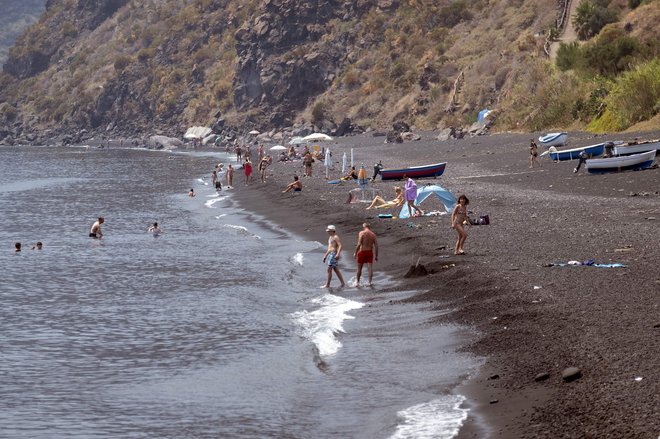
(95, 231)
(366, 252)
(155, 230)
(230, 175)
(247, 168)
(332, 255)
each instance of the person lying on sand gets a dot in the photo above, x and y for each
(380, 203)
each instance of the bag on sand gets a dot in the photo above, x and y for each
(483, 220)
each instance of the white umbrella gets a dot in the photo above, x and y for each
(327, 161)
(278, 148)
(344, 159)
(316, 137)
(296, 141)
(253, 132)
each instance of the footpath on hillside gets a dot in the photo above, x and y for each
(568, 34)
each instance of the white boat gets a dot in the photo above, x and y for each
(637, 147)
(621, 163)
(553, 139)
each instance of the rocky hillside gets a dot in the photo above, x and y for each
(129, 66)
(15, 18)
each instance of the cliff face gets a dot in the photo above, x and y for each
(132, 66)
(15, 18)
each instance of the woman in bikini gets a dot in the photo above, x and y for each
(458, 216)
(380, 203)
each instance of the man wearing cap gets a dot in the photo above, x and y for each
(332, 256)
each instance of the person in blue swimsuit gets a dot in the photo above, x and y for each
(331, 256)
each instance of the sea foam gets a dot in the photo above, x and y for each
(322, 325)
(438, 419)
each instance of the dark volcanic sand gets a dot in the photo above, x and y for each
(603, 321)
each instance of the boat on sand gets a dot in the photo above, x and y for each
(622, 163)
(553, 139)
(574, 153)
(427, 171)
(637, 147)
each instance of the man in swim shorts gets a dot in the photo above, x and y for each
(95, 232)
(366, 252)
(332, 255)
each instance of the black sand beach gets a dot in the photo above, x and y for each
(530, 319)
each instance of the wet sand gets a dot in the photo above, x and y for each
(529, 319)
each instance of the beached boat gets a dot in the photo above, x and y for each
(637, 147)
(553, 139)
(574, 153)
(428, 171)
(622, 163)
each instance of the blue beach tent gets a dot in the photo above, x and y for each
(445, 197)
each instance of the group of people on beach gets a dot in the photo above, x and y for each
(366, 252)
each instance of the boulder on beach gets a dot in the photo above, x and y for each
(164, 142)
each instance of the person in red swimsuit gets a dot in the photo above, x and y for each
(366, 252)
(247, 167)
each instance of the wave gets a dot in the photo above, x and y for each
(298, 258)
(242, 230)
(438, 419)
(211, 202)
(322, 325)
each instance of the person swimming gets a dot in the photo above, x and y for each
(155, 230)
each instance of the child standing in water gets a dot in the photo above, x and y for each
(458, 217)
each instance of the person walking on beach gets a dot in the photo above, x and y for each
(239, 154)
(458, 217)
(263, 166)
(260, 152)
(247, 168)
(248, 154)
(410, 194)
(366, 252)
(533, 154)
(230, 175)
(308, 160)
(95, 231)
(332, 255)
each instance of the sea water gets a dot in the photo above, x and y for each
(215, 328)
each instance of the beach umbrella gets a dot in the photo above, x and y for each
(327, 162)
(316, 137)
(344, 159)
(278, 148)
(296, 141)
(253, 132)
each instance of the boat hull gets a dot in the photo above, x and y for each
(553, 139)
(620, 164)
(637, 148)
(574, 154)
(415, 172)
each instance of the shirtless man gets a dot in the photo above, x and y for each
(332, 255)
(95, 232)
(155, 230)
(230, 175)
(366, 252)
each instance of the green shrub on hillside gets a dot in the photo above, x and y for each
(569, 56)
(122, 62)
(635, 95)
(612, 53)
(591, 16)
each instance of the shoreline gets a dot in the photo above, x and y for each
(492, 288)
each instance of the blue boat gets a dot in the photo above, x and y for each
(574, 153)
